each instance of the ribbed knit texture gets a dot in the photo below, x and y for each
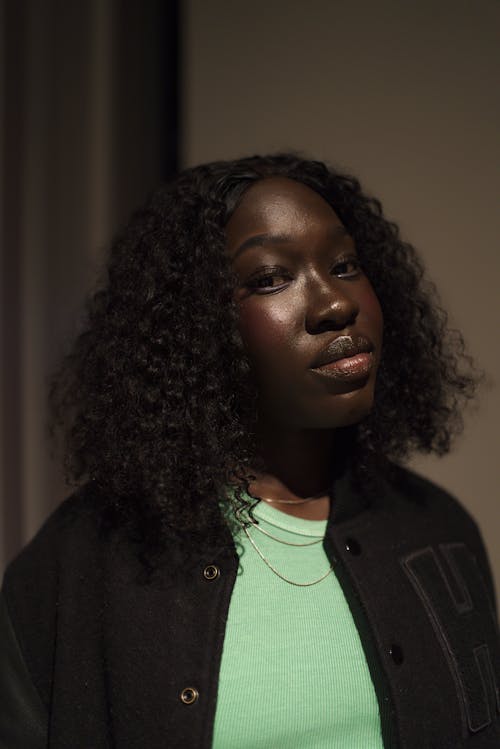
(293, 671)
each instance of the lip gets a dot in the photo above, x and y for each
(348, 369)
(346, 359)
(343, 347)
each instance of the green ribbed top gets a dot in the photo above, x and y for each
(293, 671)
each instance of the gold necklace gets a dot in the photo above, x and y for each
(275, 538)
(273, 569)
(292, 501)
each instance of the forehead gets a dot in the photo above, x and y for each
(279, 205)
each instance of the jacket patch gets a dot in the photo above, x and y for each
(450, 586)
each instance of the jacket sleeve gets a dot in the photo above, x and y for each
(23, 717)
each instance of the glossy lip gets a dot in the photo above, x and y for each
(343, 347)
(348, 369)
(346, 359)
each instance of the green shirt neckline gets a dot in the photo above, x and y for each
(290, 523)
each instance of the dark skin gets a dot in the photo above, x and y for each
(300, 286)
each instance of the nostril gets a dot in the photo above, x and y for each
(335, 316)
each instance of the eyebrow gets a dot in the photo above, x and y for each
(264, 240)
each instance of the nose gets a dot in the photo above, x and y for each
(332, 306)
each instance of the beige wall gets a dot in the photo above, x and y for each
(405, 95)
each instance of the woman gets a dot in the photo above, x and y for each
(245, 563)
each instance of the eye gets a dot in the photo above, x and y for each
(270, 281)
(348, 267)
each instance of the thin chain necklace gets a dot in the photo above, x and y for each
(273, 569)
(275, 538)
(291, 501)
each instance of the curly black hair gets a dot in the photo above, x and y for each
(156, 402)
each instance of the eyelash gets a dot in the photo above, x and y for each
(253, 283)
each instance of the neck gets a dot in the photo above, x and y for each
(299, 464)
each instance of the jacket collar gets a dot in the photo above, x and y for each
(347, 499)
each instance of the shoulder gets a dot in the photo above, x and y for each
(425, 503)
(60, 555)
(412, 490)
(62, 558)
(66, 543)
(416, 496)
(69, 530)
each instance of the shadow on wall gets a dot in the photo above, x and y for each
(90, 128)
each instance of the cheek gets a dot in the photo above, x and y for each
(263, 331)
(372, 312)
(269, 337)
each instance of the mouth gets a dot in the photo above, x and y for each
(346, 358)
(349, 368)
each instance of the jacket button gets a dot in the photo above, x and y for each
(396, 653)
(189, 695)
(211, 572)
(353, 546)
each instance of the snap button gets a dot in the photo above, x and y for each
(396, 653)
(353, 546)
(211, 572)
(189, 695)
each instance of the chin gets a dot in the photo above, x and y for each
(332, 411)
(345, 410)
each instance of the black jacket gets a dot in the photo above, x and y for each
(97, 655)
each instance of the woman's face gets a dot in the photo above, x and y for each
(303, 300)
